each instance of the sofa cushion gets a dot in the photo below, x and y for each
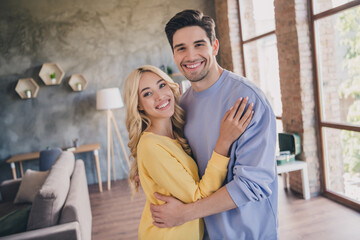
(51, 197)
(9, 189)
(14, 222)
(77, 206)
(30, 185)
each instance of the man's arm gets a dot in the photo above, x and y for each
(253, 173)
(174, 212)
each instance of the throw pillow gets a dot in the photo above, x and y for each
(30, 185)
(14, 222)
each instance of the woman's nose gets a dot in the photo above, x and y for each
(157, 95)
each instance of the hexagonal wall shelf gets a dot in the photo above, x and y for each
(27, 88)
(77, 82)
(51, 74)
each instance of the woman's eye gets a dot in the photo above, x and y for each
(147, 94)
(162, 85)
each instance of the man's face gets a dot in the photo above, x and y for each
(193, 53)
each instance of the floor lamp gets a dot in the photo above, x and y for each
(108, 99)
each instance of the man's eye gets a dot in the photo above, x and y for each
(199, 45)
(180, 49)
(162, 85)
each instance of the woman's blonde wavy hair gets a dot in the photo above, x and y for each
(137, 121)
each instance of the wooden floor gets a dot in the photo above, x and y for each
(116, 215)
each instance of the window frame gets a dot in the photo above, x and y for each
(320, 122)
(253, 39)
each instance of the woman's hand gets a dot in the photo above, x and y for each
(233, 125)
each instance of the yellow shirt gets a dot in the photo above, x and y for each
(164, 167)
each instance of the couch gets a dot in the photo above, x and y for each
(60, 208)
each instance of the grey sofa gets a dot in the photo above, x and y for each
(61, 208)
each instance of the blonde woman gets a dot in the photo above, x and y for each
(161, 155)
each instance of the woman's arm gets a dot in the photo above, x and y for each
(162, 165)
(176, 173)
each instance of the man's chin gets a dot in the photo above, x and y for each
(195, 78)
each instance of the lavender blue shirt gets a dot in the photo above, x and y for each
(252, 176)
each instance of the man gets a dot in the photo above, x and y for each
(246, 206)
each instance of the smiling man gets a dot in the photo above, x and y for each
(246, 206)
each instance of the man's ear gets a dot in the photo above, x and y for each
(215, 47)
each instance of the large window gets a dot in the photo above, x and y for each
(336, 38)
(259, 50)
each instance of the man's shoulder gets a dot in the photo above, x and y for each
(241, 83)
(241, 86)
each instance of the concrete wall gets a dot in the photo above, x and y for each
(103, 40)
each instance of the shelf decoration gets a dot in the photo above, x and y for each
(78, 82)
(51, 74)
(27, 88)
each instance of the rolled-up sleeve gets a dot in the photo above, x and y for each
(253, 157)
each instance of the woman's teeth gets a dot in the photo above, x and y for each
(164, 105)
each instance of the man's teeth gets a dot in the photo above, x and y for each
(164, 105)
(193, 65)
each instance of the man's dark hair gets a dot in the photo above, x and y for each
(189, 18)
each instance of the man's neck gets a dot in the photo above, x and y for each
(209, 80)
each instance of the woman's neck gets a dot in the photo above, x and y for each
(161, 127)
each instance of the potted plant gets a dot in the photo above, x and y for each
(28, 93)
(79, 86)
(53, 78)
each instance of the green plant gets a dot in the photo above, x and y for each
(52, 75)
(27, 92)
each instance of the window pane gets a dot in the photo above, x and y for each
(257, 17)
(262, 67)
(324, 5)
(338, 59)
(342, 162)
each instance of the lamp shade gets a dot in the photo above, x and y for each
(108, 98)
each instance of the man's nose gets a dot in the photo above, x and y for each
(190, 54)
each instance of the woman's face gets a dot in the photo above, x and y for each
(155, 97)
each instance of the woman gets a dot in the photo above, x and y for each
(161, 154)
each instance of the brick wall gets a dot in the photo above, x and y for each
(228, 33)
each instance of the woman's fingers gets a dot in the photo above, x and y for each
(247, 121)
(246, 114)
(234, 109)
(241, 108)
(226, 115)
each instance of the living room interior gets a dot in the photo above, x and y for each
(56, 58)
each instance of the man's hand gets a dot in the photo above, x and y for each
(168, 214)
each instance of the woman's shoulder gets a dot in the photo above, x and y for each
(153, 140)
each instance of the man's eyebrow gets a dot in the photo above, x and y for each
(149, 88)
(179, 45)
(182, 44)
(200, 41)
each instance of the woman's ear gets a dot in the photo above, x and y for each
(140, 108)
